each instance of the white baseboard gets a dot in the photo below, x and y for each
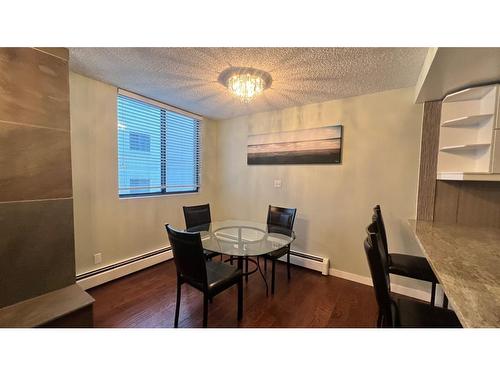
(351, 276)
(115, 273)
(410, 292)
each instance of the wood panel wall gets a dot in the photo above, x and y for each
(461, 202)
(36, 206)
(428, 160)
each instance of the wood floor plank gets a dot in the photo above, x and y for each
(147, 299)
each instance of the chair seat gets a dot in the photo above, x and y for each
(414, 314)
(411, 266)
(220, 276)
(210, 254)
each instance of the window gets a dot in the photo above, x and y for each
(158, 148)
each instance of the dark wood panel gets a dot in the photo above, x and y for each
(428, 160)
(446, 201)
(35, 163)
(34, 87)
(468, 202)
(147, 299)
(36, 248)
(479, 203)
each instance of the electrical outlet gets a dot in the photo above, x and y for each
(277, 183)
(97, 258)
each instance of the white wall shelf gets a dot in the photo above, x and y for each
(473, 146)
(473, 93)
(461, 176)
(469, 138)
(468, 120)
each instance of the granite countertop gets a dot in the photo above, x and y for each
(466, 261)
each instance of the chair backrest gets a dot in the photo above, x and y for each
(188, 256)
(379, 272)
(377, 217)
(281, 217)
(197, 215)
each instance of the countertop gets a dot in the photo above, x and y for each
(466, 261)
(45, 308)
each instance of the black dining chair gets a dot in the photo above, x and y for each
(192, 268)
(198, 218)
(411, 266)
(279, 219)
(400, 312)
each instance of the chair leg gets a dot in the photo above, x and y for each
(177, 305)
(379, 319)
(240, 299)
(273, 276)
(205, 310)
(433, 294)
(246, 268)
(288, 263)
(265, 265)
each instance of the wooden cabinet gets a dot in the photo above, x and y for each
(469, 137)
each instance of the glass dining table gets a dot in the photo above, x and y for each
(241, 240)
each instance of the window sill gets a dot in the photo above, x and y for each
(172, 195)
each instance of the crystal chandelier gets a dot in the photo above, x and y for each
(245, 83)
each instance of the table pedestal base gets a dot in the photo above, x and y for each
(247, 272)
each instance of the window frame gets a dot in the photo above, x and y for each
(163, 162)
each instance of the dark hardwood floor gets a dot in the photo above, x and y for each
(147, 299)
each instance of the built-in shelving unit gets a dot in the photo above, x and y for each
(468, 146)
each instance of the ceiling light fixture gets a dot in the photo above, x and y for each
(245, 83)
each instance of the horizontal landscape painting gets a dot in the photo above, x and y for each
(309, 146)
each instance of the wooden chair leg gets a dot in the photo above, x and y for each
(205, 311)
(433, 294)
(177, 304)
(240, 299)
(273, 276)
(265, 265)
(288, 263)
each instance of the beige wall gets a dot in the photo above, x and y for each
(380, 165)
(118, 228)
(334, 202)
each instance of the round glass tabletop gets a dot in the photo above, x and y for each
(243, 238)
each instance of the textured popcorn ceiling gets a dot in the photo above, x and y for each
(187, 77)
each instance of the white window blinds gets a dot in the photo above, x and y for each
(158, 148)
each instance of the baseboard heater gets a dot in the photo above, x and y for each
(114, 271)
(310, 261)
